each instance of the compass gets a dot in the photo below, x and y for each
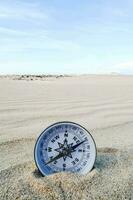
(65, 146)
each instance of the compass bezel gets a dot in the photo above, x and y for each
(59, 123)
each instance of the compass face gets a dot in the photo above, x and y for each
(65, 146)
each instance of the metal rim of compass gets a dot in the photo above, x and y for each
(54, 124)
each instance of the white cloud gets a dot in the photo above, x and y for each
(120, 13)
(30, 41)
(125, 65)
(22, 11)
(15, 32)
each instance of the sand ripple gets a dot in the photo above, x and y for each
(102, 104)
(112, 178)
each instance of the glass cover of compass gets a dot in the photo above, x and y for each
(65, 146)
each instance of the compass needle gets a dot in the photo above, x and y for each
(65, 146)
(55, 158)
(76, 145)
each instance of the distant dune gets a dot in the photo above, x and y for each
(32, 77)
(103, 104)
(50, 76)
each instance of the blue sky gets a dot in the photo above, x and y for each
(73, 36)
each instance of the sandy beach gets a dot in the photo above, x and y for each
(103, 104)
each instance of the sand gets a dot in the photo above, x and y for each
(103, 104)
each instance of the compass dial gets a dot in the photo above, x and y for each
(65, 146)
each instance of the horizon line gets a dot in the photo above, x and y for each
(66, 74)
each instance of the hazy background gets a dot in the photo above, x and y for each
(70, 36)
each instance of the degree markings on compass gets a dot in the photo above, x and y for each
(41, 145)
(75, 161)
(88, 155)
(64, 166)
(81, 132)
(41, 153)
(55, 162)
(76, 130)
(80, 150)
(50, 131)
(58, 127)
(76, 139)
(42, 160)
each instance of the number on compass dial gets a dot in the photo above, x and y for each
(65, 146)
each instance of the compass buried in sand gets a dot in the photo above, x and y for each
(65, 146)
